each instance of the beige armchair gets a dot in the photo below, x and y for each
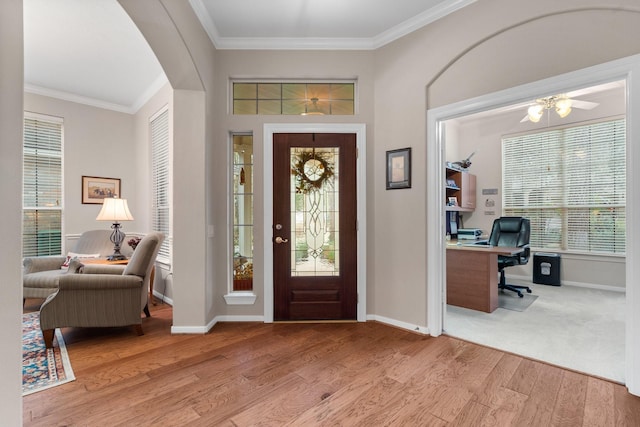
(41, 274)
(102, 295)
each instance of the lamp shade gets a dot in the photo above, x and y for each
(114, 209)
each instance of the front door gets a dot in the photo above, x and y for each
(314, 229)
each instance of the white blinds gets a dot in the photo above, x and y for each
(42, 186)
(161, 177)
(571, 184)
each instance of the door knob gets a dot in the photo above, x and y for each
(279, 240)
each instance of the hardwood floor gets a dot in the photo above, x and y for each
(297, 374)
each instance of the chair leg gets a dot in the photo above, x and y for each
(138, 329)
(48, 337)
(146, 310)
(514, 288)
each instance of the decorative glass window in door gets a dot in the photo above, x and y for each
(314, 211)
(242, 212)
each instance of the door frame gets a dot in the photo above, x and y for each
(359, 129)
(624, 69)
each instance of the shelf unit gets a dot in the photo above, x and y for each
(464, 190)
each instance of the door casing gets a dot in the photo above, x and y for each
(269, 130)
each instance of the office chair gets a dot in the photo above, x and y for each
(511, 231)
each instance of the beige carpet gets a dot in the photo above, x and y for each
(576, 328)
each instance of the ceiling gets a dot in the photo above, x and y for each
(89, 51)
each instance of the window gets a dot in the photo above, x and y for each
(42, 186)
(293, 98)
(571, 184)
(242, 212)
(161, 181)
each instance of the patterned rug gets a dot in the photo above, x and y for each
(42, 368)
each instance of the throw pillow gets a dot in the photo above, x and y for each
(73, 255)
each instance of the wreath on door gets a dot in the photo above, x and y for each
(311, 170)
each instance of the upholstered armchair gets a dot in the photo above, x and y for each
(102, 295)
(41, 274)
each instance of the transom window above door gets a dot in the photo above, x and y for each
(280, 98)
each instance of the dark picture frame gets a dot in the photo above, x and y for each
(95, 189)
(399, 168)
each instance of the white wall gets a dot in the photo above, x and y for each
(483, 133)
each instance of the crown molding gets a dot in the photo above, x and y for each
(327, 43)
(93, 102)
(72, 97)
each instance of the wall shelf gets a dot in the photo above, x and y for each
(464, 190)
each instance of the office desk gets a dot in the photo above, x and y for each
(472, 275)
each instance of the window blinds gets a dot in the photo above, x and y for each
(42, 187)
(161, 185)
(571, 184)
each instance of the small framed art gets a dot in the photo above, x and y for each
(96, 189)
(399, 168)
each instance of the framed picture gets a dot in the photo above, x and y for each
(399, 168)
(453, 201)
(96, 189)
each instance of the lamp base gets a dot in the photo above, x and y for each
(116, 257)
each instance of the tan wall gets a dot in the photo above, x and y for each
(280, 65)
(11, 83)
(187, 57)
(501, 43)
(97, 142)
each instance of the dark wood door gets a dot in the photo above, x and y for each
(314, 229)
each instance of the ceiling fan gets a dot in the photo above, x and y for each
(561, 103)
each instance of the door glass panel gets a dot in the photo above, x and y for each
(314, 211)
(242, 212)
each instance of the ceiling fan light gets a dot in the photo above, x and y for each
(563, 107)
(535, 113)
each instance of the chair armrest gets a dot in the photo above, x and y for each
(94, 282)
(103, 269)
(43, 263)
(523, 257)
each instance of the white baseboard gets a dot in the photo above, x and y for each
(191, 330)
(525, 280)
(230, 318)
(399, 324)
(165, 299)
(200, 330)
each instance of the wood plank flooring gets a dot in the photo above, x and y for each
(369, 374)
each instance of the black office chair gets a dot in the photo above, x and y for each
(511, 231)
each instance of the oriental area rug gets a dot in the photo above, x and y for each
(42, 368)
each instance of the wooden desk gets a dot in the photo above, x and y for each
(472, 275)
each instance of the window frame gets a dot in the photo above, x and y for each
(233, 194)
(560, 202)
(234, 81)
(165, 254)
(59, 122)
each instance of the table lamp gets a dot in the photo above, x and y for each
(115, 210)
